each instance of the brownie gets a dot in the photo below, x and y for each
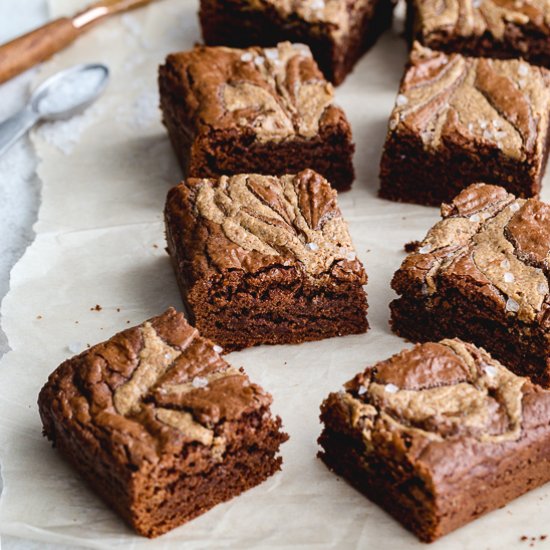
(438, 435)
(337, 31)
(267, 111)
(159, 425)
(265, 260)
(482, 274)
(484, 28)
(459, 120)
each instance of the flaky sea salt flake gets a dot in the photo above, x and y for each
(247, 56)
(401, 100)
(475, 218)
(490, 371)
(217, 349)
(512, 305)
(509, 277)
(391, 388)
(313, 246)
(426, 249)
(362, 390)
(199, 382)
(272, 53)
(523, 70)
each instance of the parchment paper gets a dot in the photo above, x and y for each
(100, 241)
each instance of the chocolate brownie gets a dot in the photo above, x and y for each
(438, 435)
(482, 274)
(337, 31)
(484, 28)
(159, 425)
(267, 111)
(265, 260)
(459, 120)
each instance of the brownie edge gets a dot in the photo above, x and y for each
(265, 259)
(438, 435)
(159, 425)
(254, 110)
(482, 274)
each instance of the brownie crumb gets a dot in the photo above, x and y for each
(97, 307)
(523, 538)
(155, 246)
(39, 317)
(118, 309)
(412, 246)
(543, 537)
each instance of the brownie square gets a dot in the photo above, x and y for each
(438, 435)
(265, 260)
(265, 111)
(488, 28)
(337, 31)
(482, 274)
(459, 120)
(159, 425)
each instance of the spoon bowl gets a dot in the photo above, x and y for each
(61, 96)
(69, 92)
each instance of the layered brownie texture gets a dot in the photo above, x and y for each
(488, 28)
(337, 31)
(482, 274)
(160, 426)
(438, 435)
(266, 111)
(265, 260)
(459, 120)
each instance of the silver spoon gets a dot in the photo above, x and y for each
(61, 96)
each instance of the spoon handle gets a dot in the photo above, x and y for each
(26, 51)
(16, 126)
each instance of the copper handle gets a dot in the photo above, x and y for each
(26, 51)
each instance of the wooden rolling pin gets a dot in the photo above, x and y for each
(38, 45)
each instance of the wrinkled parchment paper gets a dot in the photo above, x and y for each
(100, 242)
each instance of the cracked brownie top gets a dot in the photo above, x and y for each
(477, 17)
(474, 103)
(490, 246)
(275, 94)
(251, 222)
(153, 389)
(443, 399)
